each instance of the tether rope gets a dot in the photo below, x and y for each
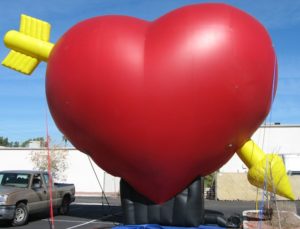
(50, 181)
(265, 194)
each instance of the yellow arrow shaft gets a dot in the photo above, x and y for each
(251, 154)
(28, 45)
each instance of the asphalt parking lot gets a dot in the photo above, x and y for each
(94, 213)
(85, 213)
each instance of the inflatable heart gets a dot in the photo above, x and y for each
(160, 103)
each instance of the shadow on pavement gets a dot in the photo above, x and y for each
(102, 213)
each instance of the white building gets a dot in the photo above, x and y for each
(282, 139)
(81, 170)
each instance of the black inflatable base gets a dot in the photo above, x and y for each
(186, 209)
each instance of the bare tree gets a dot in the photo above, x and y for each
(59, 162)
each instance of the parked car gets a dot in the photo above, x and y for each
(24, 192)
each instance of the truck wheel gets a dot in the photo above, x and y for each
(65, 206)
(21, 215)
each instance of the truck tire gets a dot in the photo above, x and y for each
(21, 215)
(65, 206)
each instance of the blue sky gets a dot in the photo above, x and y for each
(23, 105)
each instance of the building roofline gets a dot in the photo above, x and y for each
(29, 171)
(267, 125)
(39, 149)
(279, 125)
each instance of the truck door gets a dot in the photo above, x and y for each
(39, 196)
(56, 201)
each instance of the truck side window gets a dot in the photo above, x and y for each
(1, 179)
(37, 182)
(46, 179)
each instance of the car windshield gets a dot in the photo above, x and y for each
(18, 180)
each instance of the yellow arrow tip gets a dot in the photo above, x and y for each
(270, 173)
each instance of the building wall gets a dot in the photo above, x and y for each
(79, 171)
(235, 186)
(281, 139)
(232, 182)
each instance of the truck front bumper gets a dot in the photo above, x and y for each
(7, 211)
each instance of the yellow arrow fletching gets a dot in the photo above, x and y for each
(20, 62)
(29, 46)
(34, 27)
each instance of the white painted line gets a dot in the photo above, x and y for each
(80, 221)
(96, 204)
(69, 221)
(82, 224)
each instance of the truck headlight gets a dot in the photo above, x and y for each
(3, 199)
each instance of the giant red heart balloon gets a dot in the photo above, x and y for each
(160, 103)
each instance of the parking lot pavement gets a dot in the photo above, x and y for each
(114, 201)
(85, 213)
(232, 207)
(96, 213)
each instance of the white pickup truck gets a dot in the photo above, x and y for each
(23, 192)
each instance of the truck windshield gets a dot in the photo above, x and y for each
(18, 180)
